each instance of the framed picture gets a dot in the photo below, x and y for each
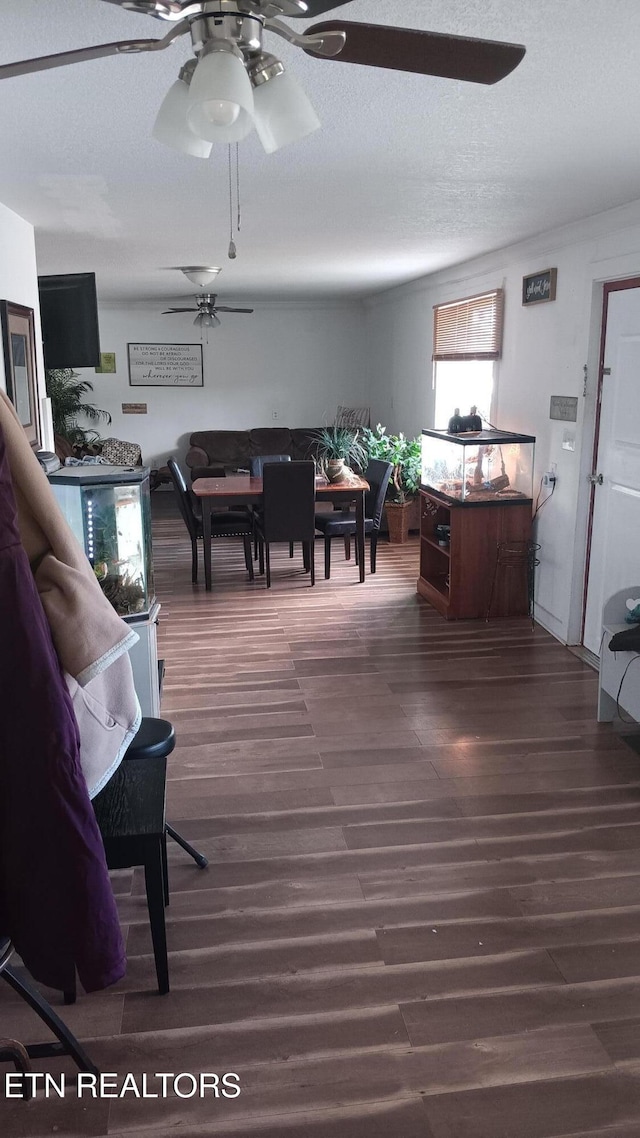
(18, 343)
(165, 365)
(538, 287)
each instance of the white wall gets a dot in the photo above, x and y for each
(545, 349)
(19, 283)
(299, 360)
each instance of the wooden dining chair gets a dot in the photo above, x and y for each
(288, 511)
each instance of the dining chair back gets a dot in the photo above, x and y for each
(378, 475)
(258, 460)
(288, 509)
(185, 501)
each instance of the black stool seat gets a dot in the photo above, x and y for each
(156, 739)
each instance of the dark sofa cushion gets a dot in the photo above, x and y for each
(223, 448)
(270, 440)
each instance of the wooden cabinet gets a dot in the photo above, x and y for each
(458, 578)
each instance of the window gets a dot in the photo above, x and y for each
(467, 340)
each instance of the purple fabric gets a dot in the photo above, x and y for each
(56, 901)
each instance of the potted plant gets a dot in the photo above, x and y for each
(65, 389)
(339, 448)
(401, 505)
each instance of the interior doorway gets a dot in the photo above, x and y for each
(613, 541)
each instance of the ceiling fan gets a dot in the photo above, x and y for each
(207, 310)
(233, 84)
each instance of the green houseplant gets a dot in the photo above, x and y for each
(337, 448)
(401, 504)
(66, 389)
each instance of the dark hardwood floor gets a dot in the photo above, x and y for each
(421, 917)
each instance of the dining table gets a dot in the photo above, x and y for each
(243, 490)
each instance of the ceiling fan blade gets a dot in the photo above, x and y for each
(163, 9)
(99, 51)
(317, 8)
(219, 308)
(427, 53)
(170, 311)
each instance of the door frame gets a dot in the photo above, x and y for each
(608, 287)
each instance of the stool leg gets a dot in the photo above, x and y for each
(154, 883)
(49, 1017)
(165, 869)
(199, 858)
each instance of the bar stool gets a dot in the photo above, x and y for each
(130, 811)
(517, 555)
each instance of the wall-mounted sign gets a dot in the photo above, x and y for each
(539, 286)
(564, 407)
(107, 363)
(165, 365)
(134, 408)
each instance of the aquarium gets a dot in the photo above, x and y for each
(476, 467)
(108, 509)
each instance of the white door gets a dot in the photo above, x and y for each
(615, 541)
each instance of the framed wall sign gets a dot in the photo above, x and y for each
(538, 287)
(564, 407)
(165, 365)
(18, 345)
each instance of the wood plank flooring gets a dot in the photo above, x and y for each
(421, 917)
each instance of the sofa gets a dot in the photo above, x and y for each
(214, 454)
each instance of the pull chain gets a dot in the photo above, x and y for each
(233, 252)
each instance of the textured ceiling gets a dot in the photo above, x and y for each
(408, 174)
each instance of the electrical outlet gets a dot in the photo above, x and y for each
(548, 478)
(274, 414)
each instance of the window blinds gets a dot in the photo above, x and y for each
(469, 329)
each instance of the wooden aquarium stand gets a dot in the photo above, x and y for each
(458, 578)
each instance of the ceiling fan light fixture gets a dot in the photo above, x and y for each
(171, 126)
(283, 112)
(201, 274)
(220, 98)
(206, 320)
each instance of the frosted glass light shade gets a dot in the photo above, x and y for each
(171, 125)
(283, 112)
(207, 320)
(220, 101)
(202, 276)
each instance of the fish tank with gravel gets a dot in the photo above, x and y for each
(109, 511)
(478, 467)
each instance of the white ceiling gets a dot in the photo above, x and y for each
(408, 174)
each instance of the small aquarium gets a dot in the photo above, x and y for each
(109, 511)
(476, 467)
